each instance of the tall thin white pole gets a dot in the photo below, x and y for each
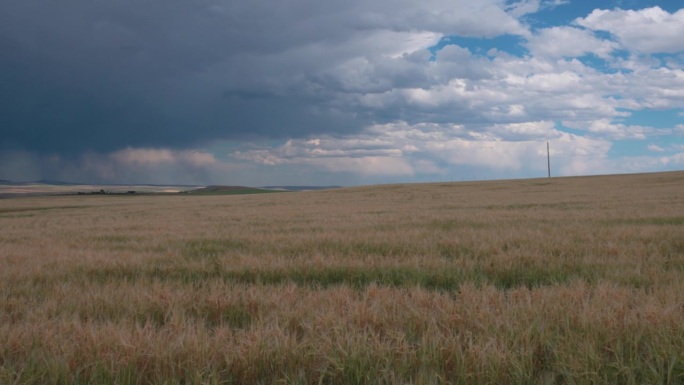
(548, 158)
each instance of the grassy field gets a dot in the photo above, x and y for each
(545, 281)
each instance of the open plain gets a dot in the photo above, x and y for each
(542, 281)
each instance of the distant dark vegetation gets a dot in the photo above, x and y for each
(103, 192)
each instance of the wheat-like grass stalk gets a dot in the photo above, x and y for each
(569, 280)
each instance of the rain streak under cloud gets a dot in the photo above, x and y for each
(338, 92)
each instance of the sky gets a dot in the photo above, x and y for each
(338, 92)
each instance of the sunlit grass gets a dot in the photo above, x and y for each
(561, 281)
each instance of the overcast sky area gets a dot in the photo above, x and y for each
(338, 92)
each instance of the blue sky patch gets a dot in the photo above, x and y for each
(510, 44)
(664, 119)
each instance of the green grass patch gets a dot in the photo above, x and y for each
(216, 314)
(17, 216)
(345, 249)
(8, 210)
(113, 242)
(454, 224)
(653, 221)
(532, 276)
(527, 206)
(449, 279)
(452, 251)
(209, 248)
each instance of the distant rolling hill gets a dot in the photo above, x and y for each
(229, 190)
(10, 188)
(57, 182)
(234, 190)
(42, 181)
(300, 188)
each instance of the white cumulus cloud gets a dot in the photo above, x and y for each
(566, 41)
(648, 30)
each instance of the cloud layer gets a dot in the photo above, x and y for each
(369, 90)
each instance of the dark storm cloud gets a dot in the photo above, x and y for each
(94, 75)
(97, 75)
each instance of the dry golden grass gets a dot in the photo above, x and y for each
(546, 281)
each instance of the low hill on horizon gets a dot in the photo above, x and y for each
(229, 190)
(10, 188)
(300, 188)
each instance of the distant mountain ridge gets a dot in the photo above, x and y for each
(63, 183)
(300, 188)
(41, 181)
(56, 182)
